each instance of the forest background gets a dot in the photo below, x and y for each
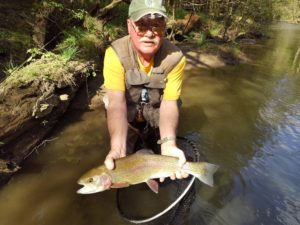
(32, 28)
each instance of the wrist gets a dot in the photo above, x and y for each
(168, 146)
(167, 140)
(117, 146)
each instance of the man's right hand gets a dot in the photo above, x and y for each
(111, 157)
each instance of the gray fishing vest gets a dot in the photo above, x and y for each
(167, 57)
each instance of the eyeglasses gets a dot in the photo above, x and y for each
(141, 30)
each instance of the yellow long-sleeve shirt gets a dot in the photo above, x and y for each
(114, 75)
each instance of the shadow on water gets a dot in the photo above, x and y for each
(244, 118)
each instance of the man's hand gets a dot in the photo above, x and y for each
(111, 157)
(168, 120)
(170, 149)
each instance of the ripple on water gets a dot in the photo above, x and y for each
(273, 180)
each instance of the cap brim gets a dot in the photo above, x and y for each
(138, 15)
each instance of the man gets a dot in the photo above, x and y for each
(143, 78)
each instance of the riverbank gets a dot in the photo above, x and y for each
(213, 55)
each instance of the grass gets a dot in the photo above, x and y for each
(15, 36)
(215, 29)
(78, 40)
(50, 67)
(201, 40)
(10, 67)
(71, 38)
(69, 53)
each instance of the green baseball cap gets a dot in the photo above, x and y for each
(140, 8)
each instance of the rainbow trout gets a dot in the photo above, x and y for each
(140, 167)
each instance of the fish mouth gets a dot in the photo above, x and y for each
(87, 190)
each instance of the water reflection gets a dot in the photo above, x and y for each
(296, 62)
(248, 121)
(251, 115)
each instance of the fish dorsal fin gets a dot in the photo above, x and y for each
(145, 151)
(153, 185)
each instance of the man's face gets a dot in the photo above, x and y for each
(146, 34)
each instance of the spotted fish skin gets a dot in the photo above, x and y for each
(141, 167)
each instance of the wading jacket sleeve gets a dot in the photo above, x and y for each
(167, 57)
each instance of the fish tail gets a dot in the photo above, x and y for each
(202, 170)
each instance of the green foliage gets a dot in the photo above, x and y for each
(52, 4)
(228, 19)
(86, 4)
(180, 13)
(79, 14)
(77, 40)
(15, 36)
(34, 53)
(203, 17)
(10, 67)
(44, 6)
(71, 38)
(66, 54)
(288, 10)
(113, 32)
(119, 20)
(49, 66)
(93, 25)
(69, 53)
(81, 32)
(201, 40)
(235, 48)
(215, 28)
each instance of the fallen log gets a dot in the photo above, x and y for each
(31, 104)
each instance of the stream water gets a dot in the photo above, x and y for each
(246, 119)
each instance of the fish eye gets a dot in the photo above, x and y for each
(90, 180)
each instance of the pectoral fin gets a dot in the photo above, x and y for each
(153, 185)
(119, 185)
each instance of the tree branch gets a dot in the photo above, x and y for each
(102, 12)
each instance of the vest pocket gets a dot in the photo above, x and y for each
(136, 77)
(157, 79)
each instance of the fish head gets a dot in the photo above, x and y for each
(93, 183)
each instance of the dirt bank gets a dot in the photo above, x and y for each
(31, 106)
